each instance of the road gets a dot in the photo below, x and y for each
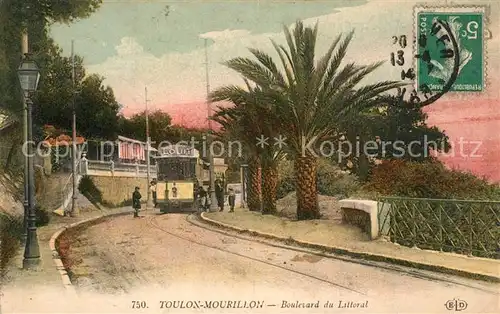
(161, 258)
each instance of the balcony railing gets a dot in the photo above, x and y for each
(111, 168)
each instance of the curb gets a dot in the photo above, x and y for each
(55, 253)
(354, 254)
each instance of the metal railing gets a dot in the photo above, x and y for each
(468, 227)
(92, 167)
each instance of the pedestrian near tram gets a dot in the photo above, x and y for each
(202, 199)
(219, 194)
(153, 190)
(231, 199)
(136, 201)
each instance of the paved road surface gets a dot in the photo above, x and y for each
(162, 258)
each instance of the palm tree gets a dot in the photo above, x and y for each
(309, 100)
(247, 120)
(232, 129)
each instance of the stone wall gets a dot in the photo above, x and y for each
(357, 218)
(371, 216)
(116, 190)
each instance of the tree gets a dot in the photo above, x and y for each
(95, 105)
(160, 129)
(36, 16)
(54, 97)
(135, 126)
(247, 121)
(96, 109)
(310, 100)
(402, 133)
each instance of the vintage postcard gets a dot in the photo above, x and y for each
(250, 156)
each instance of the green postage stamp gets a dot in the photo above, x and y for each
(435, 50)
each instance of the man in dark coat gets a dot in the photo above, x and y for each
(202, 199)
(136, 201)
(219, 194)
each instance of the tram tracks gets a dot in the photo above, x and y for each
(415, 273)
(151, 221)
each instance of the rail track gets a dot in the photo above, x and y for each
(151, 221)
(424, 275)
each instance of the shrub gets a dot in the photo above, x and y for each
(446, 225)
(124, 203)
(88, 188)
(286, 180)
(331, 180)
(430, 179)
(11, 230)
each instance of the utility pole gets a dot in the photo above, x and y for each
(148, 144)
(73, 156)
(213, 198)
(24, 50)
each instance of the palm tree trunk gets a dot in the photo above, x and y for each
(269, 186)
(306, 188)
(255, 187)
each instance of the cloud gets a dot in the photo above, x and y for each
(226, 34)
(129, 46)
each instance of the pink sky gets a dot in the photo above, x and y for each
(473, 121)
(192, 115)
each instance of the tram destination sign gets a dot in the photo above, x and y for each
(177, 151)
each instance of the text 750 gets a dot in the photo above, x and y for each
(139, 305)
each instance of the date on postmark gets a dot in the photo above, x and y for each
(435, 51)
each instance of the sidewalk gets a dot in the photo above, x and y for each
(332, 236)
(47, 276)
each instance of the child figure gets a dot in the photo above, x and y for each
(231, 200)
(136, 201)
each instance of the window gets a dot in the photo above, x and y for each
(176, 168)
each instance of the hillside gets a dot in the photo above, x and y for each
(10, 195)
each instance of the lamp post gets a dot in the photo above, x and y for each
(29, 75)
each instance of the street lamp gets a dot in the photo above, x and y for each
(29, 76)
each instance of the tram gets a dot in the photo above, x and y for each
(176, 178)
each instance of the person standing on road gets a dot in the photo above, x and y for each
(219, 194)
(136, 201)
(231, 200)
(153, 190)
(202, 199)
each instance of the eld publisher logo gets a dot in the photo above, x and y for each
(455, 305)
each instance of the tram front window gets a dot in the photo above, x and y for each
(175, 169)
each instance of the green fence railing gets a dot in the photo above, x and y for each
(461, 226)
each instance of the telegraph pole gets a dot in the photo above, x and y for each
(213, 198)
(148, 144)
(73, 156)
(24, 50)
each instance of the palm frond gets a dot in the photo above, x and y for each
(286, 66)
(322, 67)
(292, 56)
(252, 71)
(337, 60)
(268, 62)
